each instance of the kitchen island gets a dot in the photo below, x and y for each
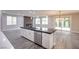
(42, 37)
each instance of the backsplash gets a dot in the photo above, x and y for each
(27, 21)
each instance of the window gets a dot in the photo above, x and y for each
(37, 21)
(44, 21)
(14, 20)
(11, 20)
(40, 21)
(63, 23)
(66, 23)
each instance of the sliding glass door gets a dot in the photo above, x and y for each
(63, 23)
(40, 22)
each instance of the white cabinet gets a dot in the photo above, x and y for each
(47, 40)
(29, 34)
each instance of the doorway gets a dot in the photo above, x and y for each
(63, 23)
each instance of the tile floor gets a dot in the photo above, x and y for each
(20, 42)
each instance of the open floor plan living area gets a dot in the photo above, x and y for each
(39, 29)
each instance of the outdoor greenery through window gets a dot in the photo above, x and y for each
(63, 23)
(41, 21)
(66, 22)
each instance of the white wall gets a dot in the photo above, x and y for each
(0, 20)
(75, 23)
(8, 27)
(51, 22)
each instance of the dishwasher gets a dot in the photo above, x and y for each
(38, 37)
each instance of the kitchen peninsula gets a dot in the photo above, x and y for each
(42, 37)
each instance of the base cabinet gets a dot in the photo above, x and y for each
(44, 39)
(29, 34)
(47, 40)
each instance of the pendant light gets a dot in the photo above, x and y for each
(60, 18)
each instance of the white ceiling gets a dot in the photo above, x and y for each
(38, 12)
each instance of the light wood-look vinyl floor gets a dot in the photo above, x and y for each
(66, 40)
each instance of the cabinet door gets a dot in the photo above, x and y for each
(31, 35)
(51, 41)
(22, 32)
(26, 33)
(45, 40)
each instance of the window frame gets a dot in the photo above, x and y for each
(12, 21)
(36, 22)
(46, 21)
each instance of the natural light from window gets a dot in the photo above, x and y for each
(63, 23)
(37, 20)
(44, 21)
(11, 20)
(41, 22)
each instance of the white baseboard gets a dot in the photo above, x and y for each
(74, 31)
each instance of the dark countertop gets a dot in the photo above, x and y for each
(48, 30)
